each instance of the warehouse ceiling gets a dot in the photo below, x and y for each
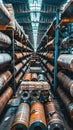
(35, 16)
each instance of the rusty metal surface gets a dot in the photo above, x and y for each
(37, 116)
(54, 119)
(21, 120)
(31, 85)
(17, 79)
(4, 98)
(18, 56)
(50, 55)
(27, 77)
(4, 78)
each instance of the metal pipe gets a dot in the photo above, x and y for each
(50, 78)
(18, 56)
(4, 15)
(4, 59)
(25, 54)
(18, 67)
(54, 119)
(5, 41)
(34, 77)
(21, 120)
(41, 77)
(66, 61)
(25, 96)
(37, 117)
(66, 82)
(51, 44)
(24, 61)
(50, 55)
(50, 67)
(17, 79)
(17, 43)
(27, 77)
(68, 41)
(68, 103)
(4, 78)
(4, 98)
(31, 85)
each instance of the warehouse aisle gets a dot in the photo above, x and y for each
(36, 65)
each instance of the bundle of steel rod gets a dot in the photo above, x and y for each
(4, 98)
(66, 100)
(21, 120)
(66, 61)
(5, 15)
(67, 83)
(54, 119)
(5, 41)
(31, 85)
(4, 78)
(37, 117)
(5, 58)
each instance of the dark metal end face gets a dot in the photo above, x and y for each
(56, 127)
(25, 96)
(38, 126)
(35, 95)
(19, 127)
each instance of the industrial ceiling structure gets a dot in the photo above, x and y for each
(35, 16)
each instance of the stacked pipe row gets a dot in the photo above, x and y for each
(36, 115)
(14, 54)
